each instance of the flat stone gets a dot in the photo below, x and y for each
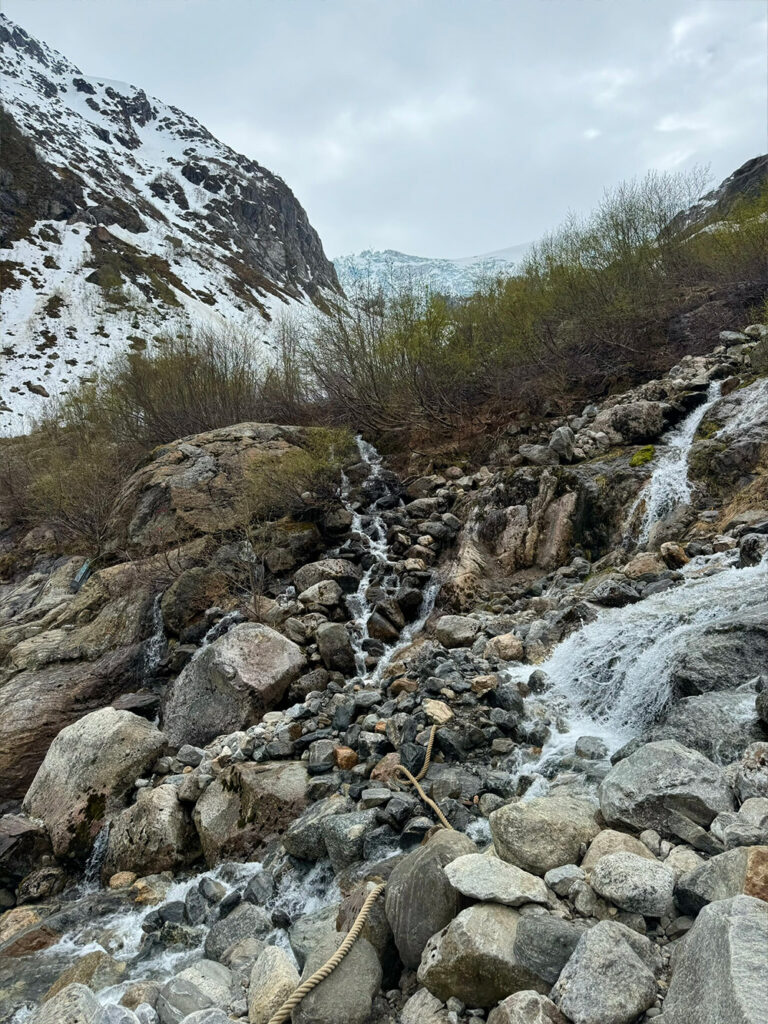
(611, 841)
(543, 833)
(634, 883)
(493, 880)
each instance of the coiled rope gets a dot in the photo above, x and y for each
(284, 1013)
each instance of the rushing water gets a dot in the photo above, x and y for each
(669, 486)
(612, 679)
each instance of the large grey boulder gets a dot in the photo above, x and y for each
(244, 922)
(309, 930)
(637, 422)
(635, 884)
(424, 1008)
(253, 803)
(344, 836)
(456, 630)
(611, 841)
(718, 724)
(719, 971)
(743, 870)
(273, 979)
(526, 1008)
(335, 646)
(543, 833)
(304, 837)
(544, 944)
(75, 1004)
(492, 880)
(419, 898)
(153, 835)
(473, 958)
(667, 787)
(724, 656)
(610, 979)
(87, 774)
(345, 573)
(347, 994)
(752, 772)
(231, 684)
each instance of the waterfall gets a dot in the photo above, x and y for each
(154, 648)
(92, 870)
(612, 679)
(669, 487)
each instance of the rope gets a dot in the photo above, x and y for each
(284, 1013)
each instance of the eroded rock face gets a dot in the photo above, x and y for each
(87, 774)
(543, 833)
(719, 974)
(473, 958)
(667, 787)
(233, 682)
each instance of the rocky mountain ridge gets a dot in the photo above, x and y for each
(589, 656)
(122, 218)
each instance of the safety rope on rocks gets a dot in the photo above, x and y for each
(284, 1013)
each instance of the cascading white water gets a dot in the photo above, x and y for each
(612, 678)
(668, 486)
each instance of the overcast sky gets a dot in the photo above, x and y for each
(440, 127)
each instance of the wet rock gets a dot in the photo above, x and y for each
(273, 979)
(419, 898)
(544, 944)
(609, 979)
(347, 994)
(22, 845)
(473, 958)
(310, 930)
(235, 816)
(154, 835)
(73, 794)
(456, 630)
(741, 871)
(526, 1008)
(112, 1014)
(719, 974)
(493, 880)
(231, 684)
(635, 884)
(97, 970)
(335, 647)
(667, 787)
(304, 837)
(715, 724)
(543, 833)
(614, 593)
(245, 921)
(75, 1004)
(344, 836)
(339, 570)
(724, 656)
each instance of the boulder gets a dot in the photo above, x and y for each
(424, 1008)
(526, 1008)
(23, 843)
(87, 774)
(304, 837)
(667, 787)
(75, 1004)
(719, 971)
(344, 836)
(97, 970)
(152, 836)
(246, 921)
(231, 684)
(543, 833)
(335, 646)
(339, 570)
(309, 930)
(610, 979)
(544, 944)
(752, 772)
(493, 880)
(635, 884)
(723, 656)
(718, 724)
(741, 871)
(273, 978)
(473, 958)
(506, 647)
(347, 994)
(610, 841)
(561, 442)
(253, 803)
(637, 422)
(419, 898)
(191, 594)
(456, 630)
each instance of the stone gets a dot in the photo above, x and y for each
(231, 684)
(347, 994)
(637, 422)
(341, 571)
(493, 880)
(473, 958)
(723, 656)
(544, 944)
(456, 630)
(424, 1008)
(526, 1008)
(611, 841)
(23, 843)
(179, 998)
(673, 554)
(154, 835)
(246, 921)
(715, 724)
(273, 978)
(437, 711)
(111, 1014)
(752, 772)
(326, 593)
(506, 647)
(335, 647)
(345, 758)
(304, 837)
(561, 442)
(191, 594)
(560, 880)
(667, 787)
(75, 1004)
(543, 833)
(309, 930)
(719, 974)
(741, 871)
(74, 794)
(97, 970)
(610, 977)
(344, 836)
(634, 883)
(254, 803)
(419, 899)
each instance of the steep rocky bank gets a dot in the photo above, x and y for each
(199, 742)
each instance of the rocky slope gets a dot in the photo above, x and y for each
(122, 218)
(212, 788)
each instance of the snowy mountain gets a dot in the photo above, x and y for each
(122, 218)
(387, 269)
